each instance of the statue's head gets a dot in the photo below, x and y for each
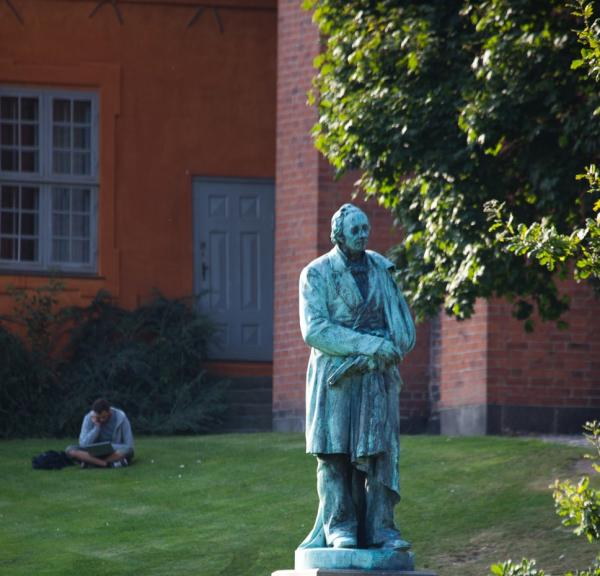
(350, 230)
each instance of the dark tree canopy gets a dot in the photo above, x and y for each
(444, 105)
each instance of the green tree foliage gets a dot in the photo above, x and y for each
(542, 240)
(444, 105)
(579, 506)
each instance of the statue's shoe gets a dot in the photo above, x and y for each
(396, 543)
(343, 541)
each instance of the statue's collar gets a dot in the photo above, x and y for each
(360, 264)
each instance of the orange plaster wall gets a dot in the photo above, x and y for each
(176, 102)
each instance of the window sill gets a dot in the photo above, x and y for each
(52, 274)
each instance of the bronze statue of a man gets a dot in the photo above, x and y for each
(358, 325)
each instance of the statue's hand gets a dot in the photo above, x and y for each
(388, 353)
(365, 364)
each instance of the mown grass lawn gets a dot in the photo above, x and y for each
(238, 505)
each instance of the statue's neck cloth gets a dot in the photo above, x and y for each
(360, 272)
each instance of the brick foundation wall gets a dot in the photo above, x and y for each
(495, 378)
(547, 380)
(461, 366)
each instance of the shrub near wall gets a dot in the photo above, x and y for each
(22, 392)
(28, 378)
(147, 361)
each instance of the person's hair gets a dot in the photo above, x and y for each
(337, 221)
(101, 405)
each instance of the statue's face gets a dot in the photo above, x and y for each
(356, 231)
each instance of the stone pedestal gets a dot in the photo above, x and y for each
(344, 572)
(352, 562)
(353, 559)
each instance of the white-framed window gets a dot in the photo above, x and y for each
(48, 180)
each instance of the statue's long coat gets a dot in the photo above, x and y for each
(359, 415)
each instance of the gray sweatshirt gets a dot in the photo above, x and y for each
(122, 437)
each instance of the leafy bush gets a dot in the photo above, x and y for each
(579, 506)
(28, 378)
(22, 392)
(148, 361)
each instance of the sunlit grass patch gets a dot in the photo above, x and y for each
(240, 504)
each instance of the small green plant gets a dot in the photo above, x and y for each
(37, 311)
(523, 568)
(579, 506)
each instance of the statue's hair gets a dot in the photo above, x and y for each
(337, 221)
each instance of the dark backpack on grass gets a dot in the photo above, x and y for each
(51, 460)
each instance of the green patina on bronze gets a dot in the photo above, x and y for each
(358, 325)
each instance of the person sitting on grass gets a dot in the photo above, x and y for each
(104, 423)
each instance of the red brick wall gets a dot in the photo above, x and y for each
(296, 212)
(548, 367)
(496, 378)
(463, 359)
(484, 374)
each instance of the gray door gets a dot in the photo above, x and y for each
(233, 263)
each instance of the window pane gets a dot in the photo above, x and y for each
(81, 199)
(62, 162)
(61, 110)
(9, 107)
(60, 250)
(29, 135)
(82, 111)
(60, 199)
(81, 138)
(28, 250)
(9, 159)
(9, 197)
(8, 135)
(19, 227)
(80, 251)
(81, 226)
(29, 161)
(60, 225)
(7, 223)
(29, 224)
(68, 127)
(29, 198)
(81, 163)
(29, 108)
(61, 136)
(8, 249)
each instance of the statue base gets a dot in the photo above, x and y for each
(354, 559)
(343, 572)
